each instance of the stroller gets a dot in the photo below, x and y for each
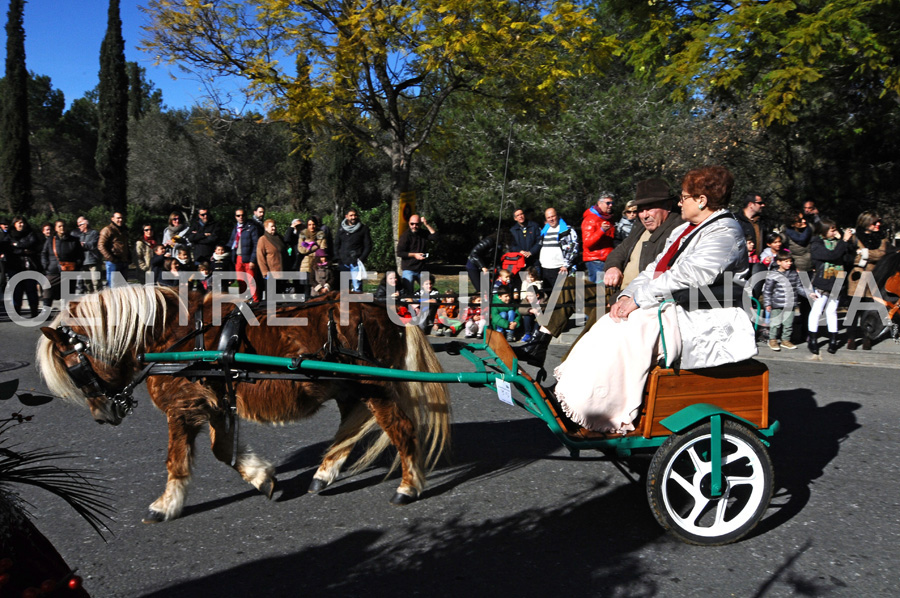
(887, 278)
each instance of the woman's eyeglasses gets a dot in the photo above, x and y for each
(631, 211)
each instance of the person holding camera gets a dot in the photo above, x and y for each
(411, 249)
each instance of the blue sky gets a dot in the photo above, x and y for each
(62, 41)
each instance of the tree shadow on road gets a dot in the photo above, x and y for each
(586, 545)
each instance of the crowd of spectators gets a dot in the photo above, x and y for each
(806, 256)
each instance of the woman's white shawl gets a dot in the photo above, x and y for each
(716, 254)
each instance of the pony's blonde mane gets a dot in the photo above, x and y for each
(116, 321)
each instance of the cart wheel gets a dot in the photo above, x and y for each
(678, 485)
(872, 325)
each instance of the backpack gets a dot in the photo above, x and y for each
(512, 261)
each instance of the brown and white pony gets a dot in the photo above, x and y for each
(117, 325)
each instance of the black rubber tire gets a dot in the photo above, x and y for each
(692, 514)
(872, 325)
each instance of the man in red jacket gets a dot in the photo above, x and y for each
(599, 232)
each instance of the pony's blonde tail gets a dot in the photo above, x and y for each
(427, 404)
(430, 408)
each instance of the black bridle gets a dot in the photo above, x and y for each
(84, 376)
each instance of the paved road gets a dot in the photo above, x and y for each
(509, 515)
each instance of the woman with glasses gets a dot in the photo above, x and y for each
(626, 222)
(870, 244)
(601, 382)
(798, 234)
(175, 234)
(144, 249)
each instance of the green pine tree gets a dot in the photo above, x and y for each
(112, 143)
(15, 152)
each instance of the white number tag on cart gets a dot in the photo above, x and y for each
(504, 392)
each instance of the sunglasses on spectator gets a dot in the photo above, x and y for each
(631, 211)
(201, 213)
(238, 215)
(147, 230)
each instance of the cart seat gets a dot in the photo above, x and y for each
(740, 388)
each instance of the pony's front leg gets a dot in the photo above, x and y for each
(353, 426)
(402, 433)
(256, 471)
(178, 463)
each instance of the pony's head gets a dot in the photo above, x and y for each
(89, 353)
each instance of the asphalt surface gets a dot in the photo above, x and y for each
(508, 514)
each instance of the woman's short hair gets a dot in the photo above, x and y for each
(715, 182)
(866, 219)
(174, 215)
(267, 221)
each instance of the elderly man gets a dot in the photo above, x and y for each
(654, 203)
(599, 233)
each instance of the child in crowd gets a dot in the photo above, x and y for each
(753, 258)
(390, 292)
(221, 262)
(472, 320)
(323, 274)
(172, 267)
(184, 259)
(504, 316)
(504, 279)
(202, 277)
(158, 262)
(782, 282)
(774, 243)
(532, 292)
(424, 304)
(446, 319)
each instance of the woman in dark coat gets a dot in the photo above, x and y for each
(799, 235)
(24, 255)
(62, 253)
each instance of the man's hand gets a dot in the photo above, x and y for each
(613, 277)
(525, 253)
(621, 308)
(418, 256)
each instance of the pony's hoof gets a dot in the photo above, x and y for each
(267, 488)
(401, 499)
(153, 517)
(317, 486)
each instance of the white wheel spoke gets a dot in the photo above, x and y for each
(699, 505)
(701, 466)
(688, 487)
(720, 510)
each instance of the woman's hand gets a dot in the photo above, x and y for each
(621, 308)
